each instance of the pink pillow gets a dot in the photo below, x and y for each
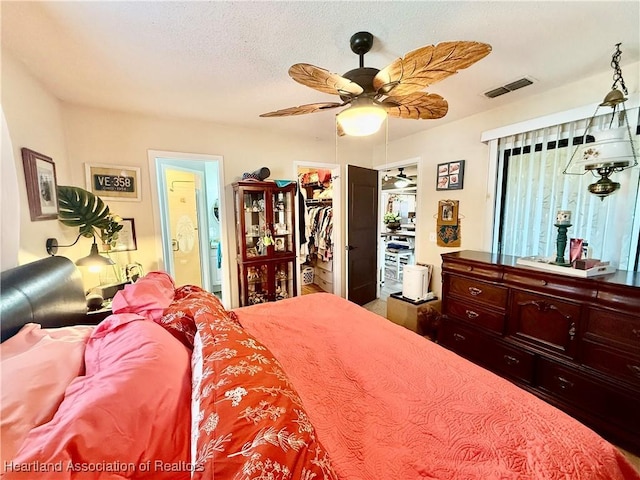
(37, 366)
(148, 297)
(132, 408)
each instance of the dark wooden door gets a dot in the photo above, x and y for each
(362, 232)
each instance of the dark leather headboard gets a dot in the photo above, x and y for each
(47, 291)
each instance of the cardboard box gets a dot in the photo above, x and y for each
(405, 313)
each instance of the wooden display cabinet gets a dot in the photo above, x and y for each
(265, 241)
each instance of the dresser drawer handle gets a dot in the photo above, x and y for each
(511, 360)
(469, 269)
(471, 314)
(635, 369)
(543, 283)
(572, 330)
(636, 332)
(459, 338)
(475, 291)
(563, 383)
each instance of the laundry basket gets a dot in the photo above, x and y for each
(307, 276)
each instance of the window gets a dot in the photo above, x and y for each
(531, 189)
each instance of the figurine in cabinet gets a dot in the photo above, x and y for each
(252, 274)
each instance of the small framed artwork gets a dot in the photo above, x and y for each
(448, 212)
(127, 236)
(280, 245)
(113, 182)
(40, 177)
(450, 175)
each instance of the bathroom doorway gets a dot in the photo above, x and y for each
(188, 219)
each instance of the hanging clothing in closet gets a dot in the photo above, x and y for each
(319, 231)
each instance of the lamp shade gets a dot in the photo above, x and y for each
(362, 119)
(94, 259)
(611, 146)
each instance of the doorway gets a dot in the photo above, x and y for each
(189, 220)
(318, 228)
(398, 196)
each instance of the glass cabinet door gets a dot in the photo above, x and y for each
(283, 223)
(284, 280)
(255, 223)
(257, 282)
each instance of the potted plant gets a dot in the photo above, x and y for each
(81, 208)
(392, 221)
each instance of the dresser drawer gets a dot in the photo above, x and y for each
(476, 291)
(611, 361)
(545, 322)
(513, 362)
(325, 275)
(614, 328)
(476, 314)
(323, 284)
(480, 270)
(551, 284)
(463, 340)
(616, 405)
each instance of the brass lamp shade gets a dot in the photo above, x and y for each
(613, 98)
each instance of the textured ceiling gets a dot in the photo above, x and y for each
(227, 62)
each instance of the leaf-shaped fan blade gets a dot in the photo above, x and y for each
(418, 105)
(79, 208)
(428, 65)
(323, 80)
(302, 109)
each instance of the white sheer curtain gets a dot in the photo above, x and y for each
(534, 189)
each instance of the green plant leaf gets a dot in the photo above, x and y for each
(80, 208)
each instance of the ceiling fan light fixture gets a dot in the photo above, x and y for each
(362, 119)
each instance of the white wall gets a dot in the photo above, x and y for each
(460, 140)
(34, 119)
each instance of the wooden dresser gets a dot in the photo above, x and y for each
(574, 342)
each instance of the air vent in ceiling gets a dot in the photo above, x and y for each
(510, 87)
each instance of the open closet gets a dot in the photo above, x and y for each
(316, 222)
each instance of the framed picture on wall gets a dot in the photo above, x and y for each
(40, 178)
(127, 236)
(450, 175)
(448, 212)
(113, 182)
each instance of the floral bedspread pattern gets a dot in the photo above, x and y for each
(248, 421)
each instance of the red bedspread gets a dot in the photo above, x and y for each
(389, 404)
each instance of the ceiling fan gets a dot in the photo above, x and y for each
(401, 180)
(395, 90)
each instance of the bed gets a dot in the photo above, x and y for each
(174, 386)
